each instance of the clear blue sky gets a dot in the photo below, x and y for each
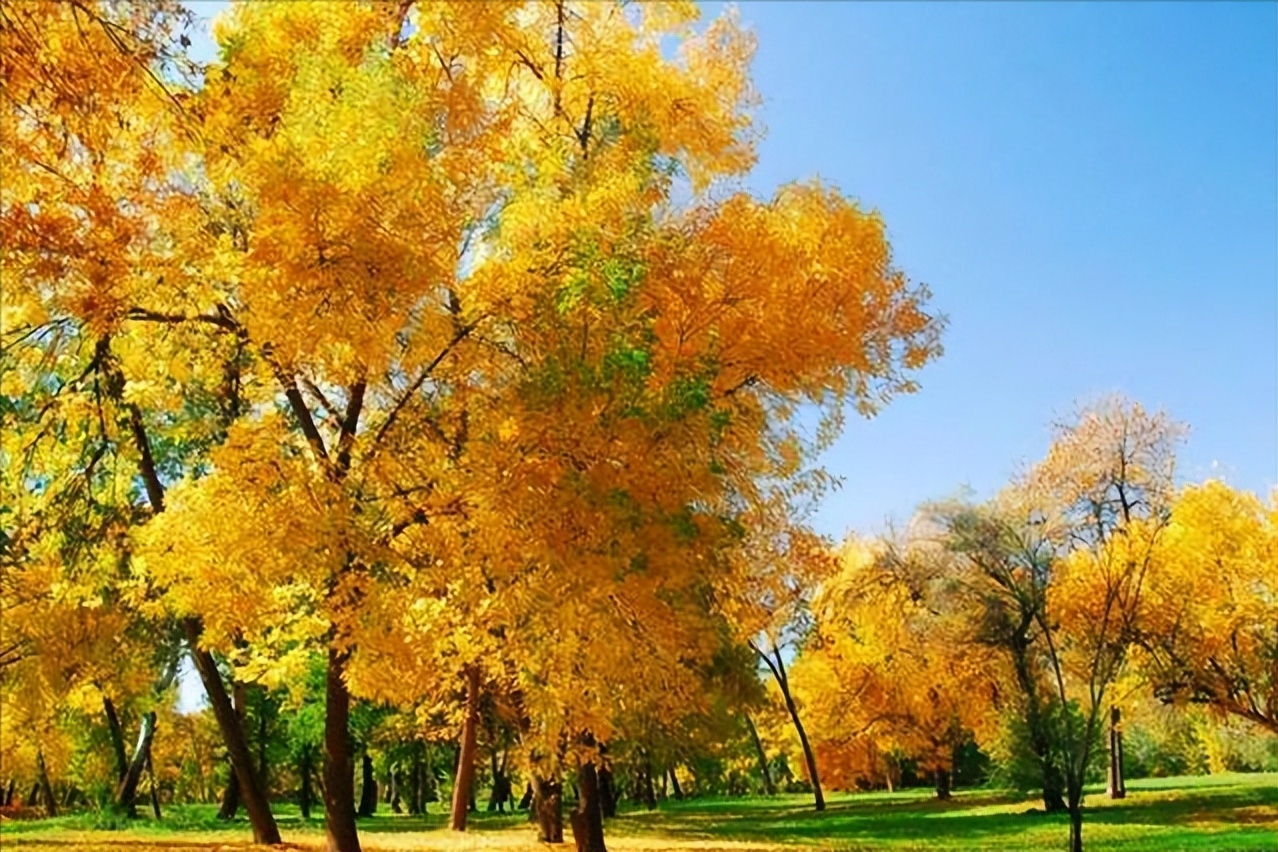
(1090, 190)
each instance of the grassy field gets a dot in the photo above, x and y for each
(1221, 812)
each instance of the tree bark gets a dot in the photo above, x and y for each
(8, 792)
(368, 787)
(646, 789)
(127, 790)
(395, 806)
(1117, 787)
(265, 831)
(263, 767)
(768, 788)
(547, 804)
(526, 803)
(155, 792)
(587, 817)
(339, 777)
(465, 777)
(231, 795)
(46, 789)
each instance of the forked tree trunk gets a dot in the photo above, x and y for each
(339, 774)
(768, 788)
(1075, 805)
(547, 805)
(1117, 787)
(367, 787)
(127, 790)
(587, 817)
(465, 777)
(777, 666)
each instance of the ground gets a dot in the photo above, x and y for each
(1222, 813)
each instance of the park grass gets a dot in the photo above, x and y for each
(1222, 813)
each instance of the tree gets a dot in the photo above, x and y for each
(1210, 603)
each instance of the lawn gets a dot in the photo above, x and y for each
(1220, 812)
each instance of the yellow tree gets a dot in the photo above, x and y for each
(1211, 602)
(429, 236)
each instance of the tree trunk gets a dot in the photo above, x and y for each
(46, 789)
(415, 785)
(8, 792)
(674, 784)
(396, 807)
(808, 756)
(339, 771)
(943, 784)
(648, 792)
(1075, 822)
(117, 739)
(768, 788)
(263, 768)
(155, 791)
(1040, 739)
(526, 803)
(127, 790)
(465, 777)
(368, 788)
(1117, 787)
(265, 831)
(547, 804)
(304, 796)
(34, 799)
(230, 798)
(501, 784)
(607, 792)
(587, 817)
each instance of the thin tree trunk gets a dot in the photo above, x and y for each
(395, 806)
(305, 795)
(8, 793)
(587, 817)
(46, 789)
(127, 790)
(339, 778)
(415, 785)
(547, 804)
(117, 739)
(647, 790)
(263, 768)
(155, 792)
(674, 784)
(777, 665)
(465, 777)
(1075, 821)
(1117, 787)
(526, 803)
(34, 799)
(265, 831)
(368, 788)
(768, 788)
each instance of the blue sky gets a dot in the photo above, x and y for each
(1091, 192)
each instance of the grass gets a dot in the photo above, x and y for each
(1222, 813)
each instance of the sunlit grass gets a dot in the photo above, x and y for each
(1222, 813)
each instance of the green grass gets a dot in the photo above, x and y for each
(1223, 813)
